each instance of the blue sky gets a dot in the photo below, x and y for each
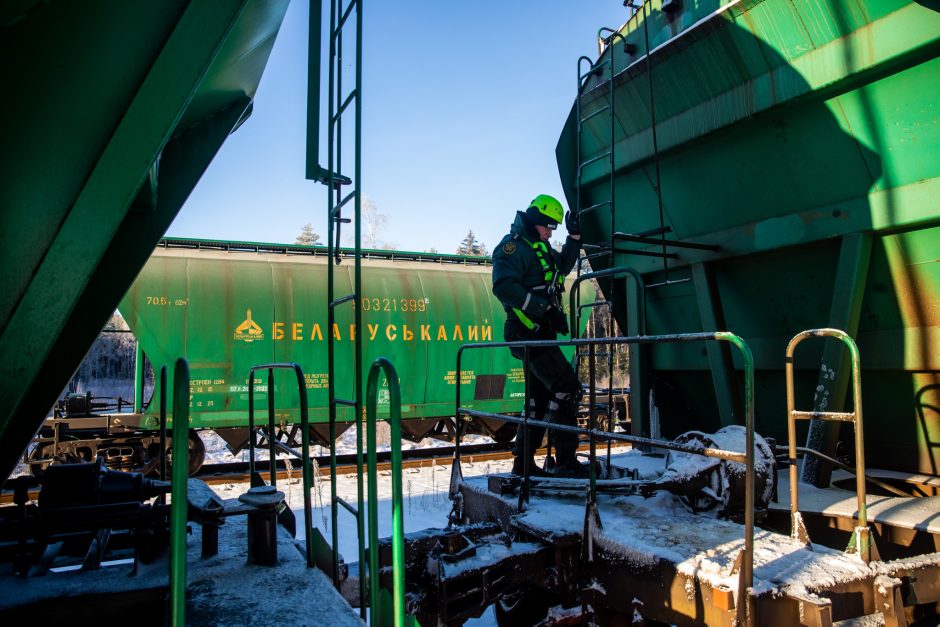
(463, 103)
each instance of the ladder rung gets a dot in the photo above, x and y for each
(646, 253)
(603, 155)
(335, 210)
(606, 253)
(596, 206)
(640, 239)
(349, 508)
(594, 114)
(594, 68)
(338, 179)
(659, 230)
(346, 14)
(342, 220)
(343, 401)
(843, 416)
(598, 303)
(342, 107)
(607, 84)
(342, 299)
(669, 282)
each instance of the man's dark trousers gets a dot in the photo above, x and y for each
(554, 391)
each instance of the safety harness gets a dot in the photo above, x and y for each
(554, 281)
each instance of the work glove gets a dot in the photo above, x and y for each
(573, 223)
(557, 320)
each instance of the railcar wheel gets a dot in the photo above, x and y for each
(505, 434)
(195, 458)
(40, 452)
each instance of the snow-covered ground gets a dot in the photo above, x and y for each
(425, 503)
(217, 451)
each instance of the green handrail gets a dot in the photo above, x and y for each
(273, 444)
(138, 379)
(179, 506)
(398, 533)
(746, 574)
(862, 534)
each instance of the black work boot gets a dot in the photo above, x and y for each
(571, 468)
(519, 467)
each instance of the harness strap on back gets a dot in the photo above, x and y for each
(548, 273)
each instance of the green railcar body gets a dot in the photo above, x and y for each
(111, 113)
(229, 307)
(800, 142)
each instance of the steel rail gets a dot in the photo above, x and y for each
(237, 472)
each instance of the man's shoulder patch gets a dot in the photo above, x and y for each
(509, 248)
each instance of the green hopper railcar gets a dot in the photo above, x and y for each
(771, 167)
(229, 306)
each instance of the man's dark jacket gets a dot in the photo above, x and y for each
(518, 276)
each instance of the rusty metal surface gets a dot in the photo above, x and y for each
(645, 579)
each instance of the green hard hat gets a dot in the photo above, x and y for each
(546, 210)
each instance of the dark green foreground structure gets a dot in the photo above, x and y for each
(791, 181)
(112, 111)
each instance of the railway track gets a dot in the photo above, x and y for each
(233, 472)
(237, 472)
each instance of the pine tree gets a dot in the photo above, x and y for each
(471, 246)
(308, 237)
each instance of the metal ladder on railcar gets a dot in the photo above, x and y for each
(655, 236)
(650, 237)
(576, 308)
(332, 176)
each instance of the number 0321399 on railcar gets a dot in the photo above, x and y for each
(228, 308)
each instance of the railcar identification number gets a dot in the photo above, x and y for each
(166, 301)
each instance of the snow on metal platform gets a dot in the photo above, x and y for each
(220, 590)
(645, 531)
(914, 513)
(224, 589)
(676, 566)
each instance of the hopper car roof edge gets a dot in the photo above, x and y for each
(299, 249)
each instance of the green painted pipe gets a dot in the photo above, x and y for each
(747, 563)
(304, 439)
(139, 380)
(398, 533)
(178, 507)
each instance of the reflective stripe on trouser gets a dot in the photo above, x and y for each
(555, 391)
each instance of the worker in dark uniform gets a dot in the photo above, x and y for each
(525, 266)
